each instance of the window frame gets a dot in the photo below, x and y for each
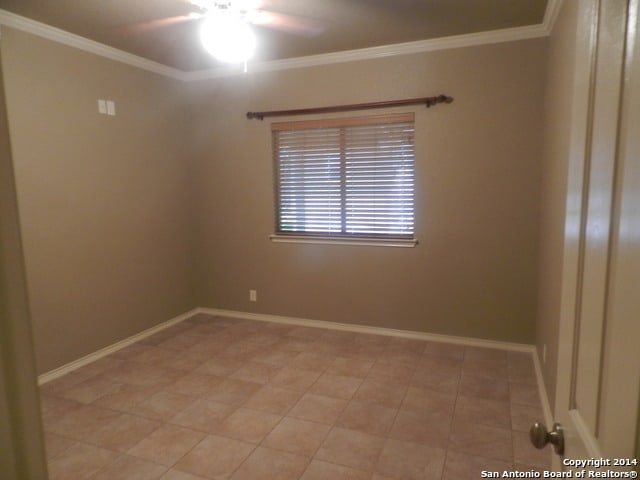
(373, 239)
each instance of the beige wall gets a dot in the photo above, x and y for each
(474, 272)
(120, 234)
(104, 201)
(555, 160)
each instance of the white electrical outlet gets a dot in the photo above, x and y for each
(102, 106)
(544, 353)
(253, 295)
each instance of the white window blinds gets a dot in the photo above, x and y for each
(345, 177)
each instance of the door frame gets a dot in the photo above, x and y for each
(22, 453)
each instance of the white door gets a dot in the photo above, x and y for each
(599, 354)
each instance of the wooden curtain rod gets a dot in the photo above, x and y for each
(428, 101)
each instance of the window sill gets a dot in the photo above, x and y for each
(369, 242)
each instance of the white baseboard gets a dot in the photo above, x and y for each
(433, 337)
(544, 398)
(92, 357)
(546, 405)
(390, 332)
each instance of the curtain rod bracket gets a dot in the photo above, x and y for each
(428, 101)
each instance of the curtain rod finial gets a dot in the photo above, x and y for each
(431, 101)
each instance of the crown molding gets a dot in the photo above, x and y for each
(422, 46)
(76, 41)
(551, 15)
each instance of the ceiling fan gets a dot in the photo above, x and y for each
(225, 30)
(249, 11)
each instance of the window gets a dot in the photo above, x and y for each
(345, 178)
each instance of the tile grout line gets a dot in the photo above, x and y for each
(332, 426)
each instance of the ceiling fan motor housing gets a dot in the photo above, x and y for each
(218, 6)
(223, 5)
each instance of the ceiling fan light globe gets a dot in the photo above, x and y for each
(227, 38)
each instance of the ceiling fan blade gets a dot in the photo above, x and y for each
(159, 23)
(200, 4)
(285, 23)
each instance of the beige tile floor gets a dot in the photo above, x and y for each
(220, 398)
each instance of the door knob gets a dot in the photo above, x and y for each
(540, 437)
